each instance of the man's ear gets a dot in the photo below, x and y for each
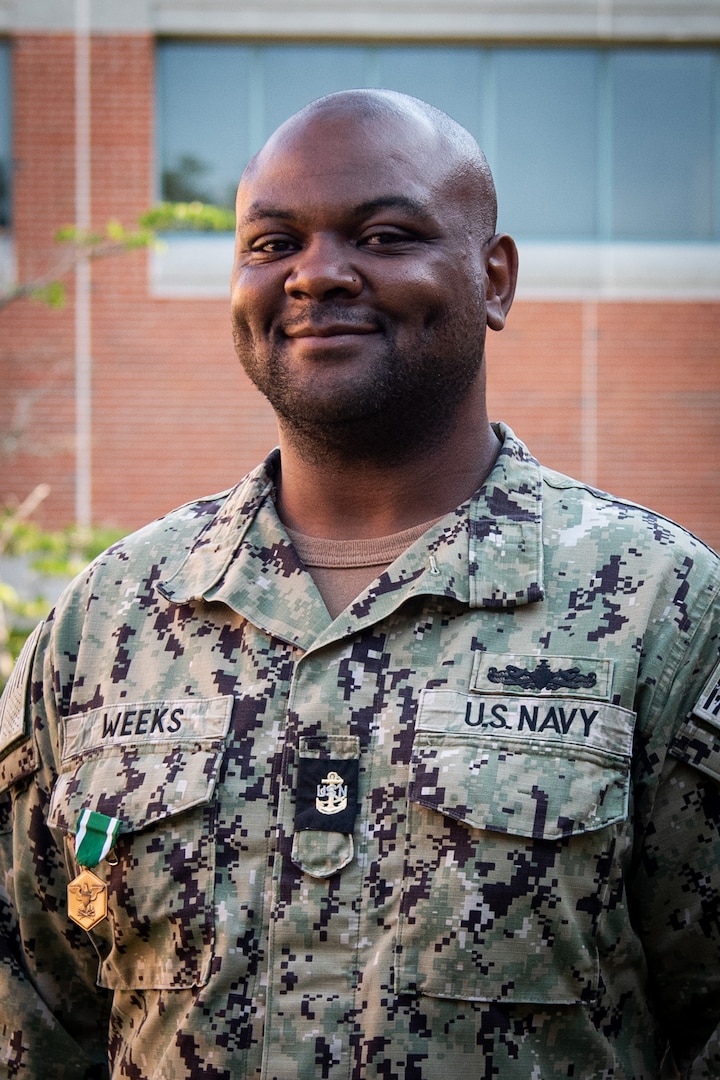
(501, 270)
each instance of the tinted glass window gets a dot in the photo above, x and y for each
(664, 172)
(585, 143)
(546, 144)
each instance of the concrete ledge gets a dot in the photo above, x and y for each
(200, 266)
(530, 20)
(454, 19)
(7, 260)
(620, 271)
(192, 266)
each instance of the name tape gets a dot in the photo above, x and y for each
(131, 724)
(595, 724)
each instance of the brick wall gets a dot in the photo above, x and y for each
(657, 399)
(36, 345)
(626, 395)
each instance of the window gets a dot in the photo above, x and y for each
(665, 168)
(217, 103)
(586, 144)
(5, 135)
(544, 141)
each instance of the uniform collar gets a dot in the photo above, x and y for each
(486, 553)
(505, 527)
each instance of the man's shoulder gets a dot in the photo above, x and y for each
(167, 538)
(574, 511)
(149, 554)
(175, 533)
(178, 526)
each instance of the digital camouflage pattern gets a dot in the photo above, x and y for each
(522, 713)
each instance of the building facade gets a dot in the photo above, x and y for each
(601, 121)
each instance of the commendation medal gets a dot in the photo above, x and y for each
(87, 900)
(87, 893)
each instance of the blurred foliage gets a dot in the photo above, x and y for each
(77, 245)
(51, 555)
(186, 182)
(184, 216)
(64, 554)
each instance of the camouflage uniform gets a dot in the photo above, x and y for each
(521, 716)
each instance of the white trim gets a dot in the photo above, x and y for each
(196, 266)
(200, 267)
(8, 269)
(673, 20)
(452, 19)
(619, 271)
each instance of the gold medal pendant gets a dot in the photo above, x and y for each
(87, 899)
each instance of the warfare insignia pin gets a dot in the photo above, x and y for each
(542, 677)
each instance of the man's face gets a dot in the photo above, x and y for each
(358, 288)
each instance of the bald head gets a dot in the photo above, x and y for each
(366, 272)
(434, 134)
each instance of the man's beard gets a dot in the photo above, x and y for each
(404, 406)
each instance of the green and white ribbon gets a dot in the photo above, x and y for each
(94, 837)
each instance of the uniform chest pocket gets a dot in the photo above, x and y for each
(160, 784)
(510, 851)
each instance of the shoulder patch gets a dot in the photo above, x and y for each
(12, 702)
(708, 704)
(18, 764)
(697, 743)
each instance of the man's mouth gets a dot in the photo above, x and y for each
(327, 330)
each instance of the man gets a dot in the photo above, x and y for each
(401, 759)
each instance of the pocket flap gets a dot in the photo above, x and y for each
(322, 854)
(140, 776)
(525, 782)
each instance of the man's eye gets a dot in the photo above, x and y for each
(272, 245)
(383, 238)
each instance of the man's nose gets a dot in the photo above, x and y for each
(323, 268)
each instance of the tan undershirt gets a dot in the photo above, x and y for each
(341, 569)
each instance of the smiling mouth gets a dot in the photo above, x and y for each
(329, 330)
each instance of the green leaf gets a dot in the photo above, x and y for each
(52, 294)
(196, 216)
(115, 231)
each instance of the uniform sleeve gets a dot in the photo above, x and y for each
(53, 1019)
(676, 890)
(677, 898)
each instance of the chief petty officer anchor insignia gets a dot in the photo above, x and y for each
(326, 795)
(87, 893)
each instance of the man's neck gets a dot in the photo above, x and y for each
(365, 499)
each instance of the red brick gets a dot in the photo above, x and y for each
(174, 417)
